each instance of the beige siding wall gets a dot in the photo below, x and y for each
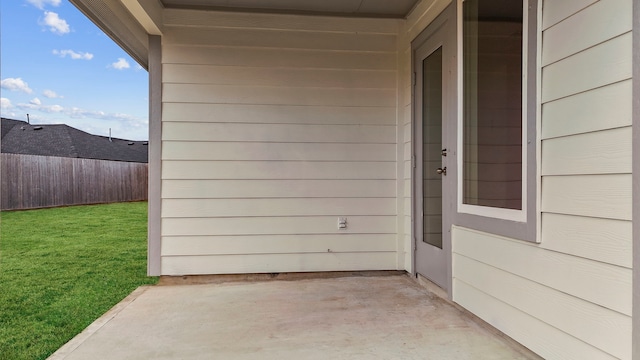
(273, 127)
(276, 125)
(570, 296)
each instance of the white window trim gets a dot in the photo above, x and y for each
(486, 211)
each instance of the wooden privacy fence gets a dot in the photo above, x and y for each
(30, 181)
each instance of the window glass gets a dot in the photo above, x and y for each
(432, 148)
(492, 103)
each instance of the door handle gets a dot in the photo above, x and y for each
(442, 171)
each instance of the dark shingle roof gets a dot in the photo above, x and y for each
(18, 137)
(6, 125)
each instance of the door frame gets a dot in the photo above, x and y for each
(446, 21)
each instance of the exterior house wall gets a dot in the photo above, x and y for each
(273, 127)
(569, 296)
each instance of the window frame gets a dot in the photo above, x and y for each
(517, 224)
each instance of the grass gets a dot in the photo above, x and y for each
(60, 269)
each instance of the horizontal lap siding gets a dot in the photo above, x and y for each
(276, 95)
(285, 170)
(273, 127)
(260, 188)
(289, 133)
(569, 296)
(274, 151)
(292, 207)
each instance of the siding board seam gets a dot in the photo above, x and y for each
(283, 86)
(278, 86)
(278, 216)
(254, 123)
(570, 15)
(274, 29)
(583, 216)
(279, 142)
(280, 198)
(266, 87)
(588, 174)
(545, 285)
(389, 70)
(287, 253)
(585, 132)
(587, 48)
(545, 249)
(274, 123)
(537, 318)
(585, 312)
(281, 179)
(287, 234)
(584, 91)
(259, 103)
(287, 161)
(260, 235)
(253, 47)
(297, 105)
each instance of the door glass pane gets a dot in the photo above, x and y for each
(432, 147)
(492, 96)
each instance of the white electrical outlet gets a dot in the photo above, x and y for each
(342, 223)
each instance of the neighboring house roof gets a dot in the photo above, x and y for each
(8, 124)
(19, 137)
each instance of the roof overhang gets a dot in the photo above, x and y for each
(127, 22)
(130, 22)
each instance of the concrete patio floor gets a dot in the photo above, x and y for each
(379, 317)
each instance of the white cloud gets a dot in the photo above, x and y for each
(96, 122)
(29, 106)
(73, 55)
(51, 94)
(55, 23)
(55, 108)
(37, 106)
(15, 84)
(41, 3)
(5, 103)
(121, 64)
(78, 113)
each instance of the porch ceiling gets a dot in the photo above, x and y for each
(354, 8)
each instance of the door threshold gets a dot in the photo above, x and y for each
(432, 287)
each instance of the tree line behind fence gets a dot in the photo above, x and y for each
(30, 181)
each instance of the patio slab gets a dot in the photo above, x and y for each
(381, 317)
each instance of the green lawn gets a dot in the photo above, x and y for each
(60, 269)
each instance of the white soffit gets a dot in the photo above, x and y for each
(136, 9)
(355, 8)
(119, 24)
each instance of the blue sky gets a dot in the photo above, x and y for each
(58, 67)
